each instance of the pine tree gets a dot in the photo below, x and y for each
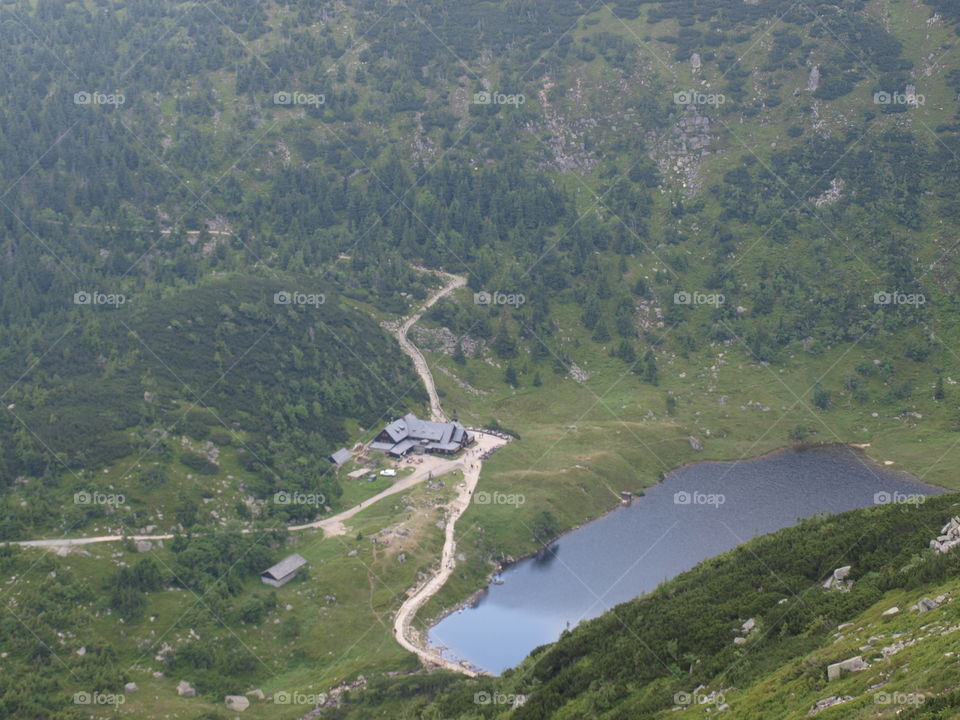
(648, 368)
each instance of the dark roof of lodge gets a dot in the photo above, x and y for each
(341, 456)
(410, 430)
(289, 564)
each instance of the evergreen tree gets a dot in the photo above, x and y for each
(647, 368)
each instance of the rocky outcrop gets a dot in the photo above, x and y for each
(928, 604)
(680, 150)
(185, 689)
(949, 537)
(829, 702)
(838, 580)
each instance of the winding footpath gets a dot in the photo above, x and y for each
(431, 466)
(404, 631)
(411, 350)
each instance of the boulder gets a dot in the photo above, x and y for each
(927, 604)
(144, 546)
(130, 687)
(748, 626)
(838, 579)
(185, 689)
(258, 694)
(891, 611)
(237, 703)
(694, 443)
(853, 664)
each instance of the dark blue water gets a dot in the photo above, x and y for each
(631, 550)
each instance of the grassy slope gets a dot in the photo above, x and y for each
(576, 473)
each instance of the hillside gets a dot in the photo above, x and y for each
(690, 231)
(173, 394)
(673, 653)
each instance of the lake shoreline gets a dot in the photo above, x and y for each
(858, 451)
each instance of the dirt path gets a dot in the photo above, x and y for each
(453, 282)
(432, 466)
(403, 629)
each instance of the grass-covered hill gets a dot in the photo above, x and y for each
(647, 658)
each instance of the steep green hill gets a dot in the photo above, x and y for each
(670, 654)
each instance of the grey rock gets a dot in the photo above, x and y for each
(854, 664)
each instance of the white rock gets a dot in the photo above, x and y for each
(237, 703)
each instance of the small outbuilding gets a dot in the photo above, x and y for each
(340, 457)
(284, 571)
